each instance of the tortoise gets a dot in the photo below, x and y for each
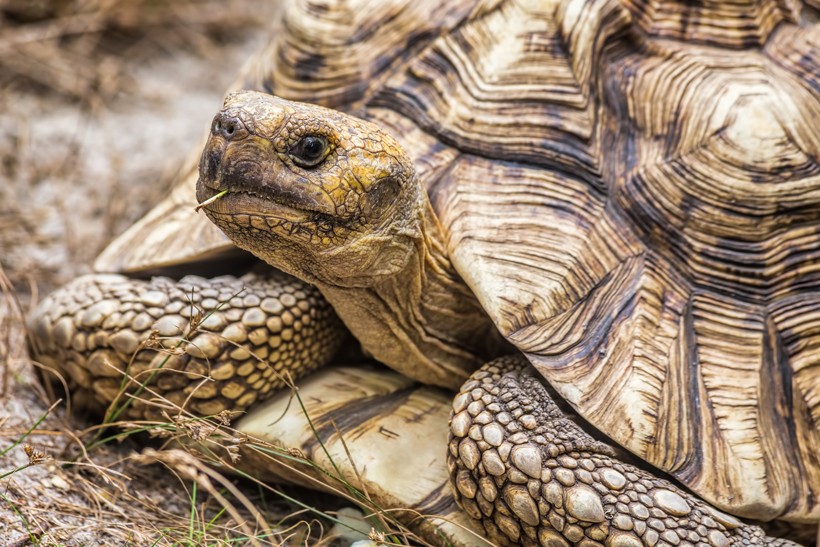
(622, 194)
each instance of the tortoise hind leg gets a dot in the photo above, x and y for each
(534, 477)
(206, 345)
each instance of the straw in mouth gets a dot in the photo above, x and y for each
(210, 200)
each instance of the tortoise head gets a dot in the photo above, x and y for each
(322, 195)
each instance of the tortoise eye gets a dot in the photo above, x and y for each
(309, 151)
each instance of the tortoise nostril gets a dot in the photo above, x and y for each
(227, 127)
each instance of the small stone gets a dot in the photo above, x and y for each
(640, 527)
(520, 502)
(527, 459)
(583, 503)
(650, 538)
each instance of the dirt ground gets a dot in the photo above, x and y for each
(100, 101)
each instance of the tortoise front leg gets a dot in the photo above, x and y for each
(205, 345)
(532, 476)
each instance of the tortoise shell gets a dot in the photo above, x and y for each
(632, 190)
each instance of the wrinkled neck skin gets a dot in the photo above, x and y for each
(422, 321)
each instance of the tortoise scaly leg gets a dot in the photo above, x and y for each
(208, 344)
(534, 477)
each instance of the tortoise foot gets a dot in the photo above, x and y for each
(206, 345)
(533, 476)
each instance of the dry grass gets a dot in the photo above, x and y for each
(73, 75)
(50, 42)
(63, 484)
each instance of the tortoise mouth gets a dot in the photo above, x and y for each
(244, 201)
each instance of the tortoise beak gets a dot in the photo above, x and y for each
(241, 157)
